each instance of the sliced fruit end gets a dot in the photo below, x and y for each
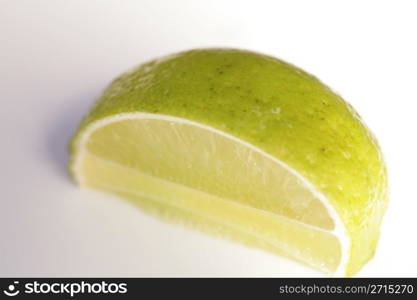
(116, 154)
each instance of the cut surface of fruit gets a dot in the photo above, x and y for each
(215, 178)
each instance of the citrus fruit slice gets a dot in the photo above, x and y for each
(240, 145)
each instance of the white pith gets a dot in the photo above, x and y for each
(339, 230)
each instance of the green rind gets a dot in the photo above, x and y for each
(278, 108)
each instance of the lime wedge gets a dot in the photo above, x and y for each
(243, 146)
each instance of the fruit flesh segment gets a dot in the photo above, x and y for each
(215, 215)
(209, 162)
(183, 172)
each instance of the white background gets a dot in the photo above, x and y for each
(55, 58)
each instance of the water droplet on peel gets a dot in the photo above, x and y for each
(276, 110)
(346, 154)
